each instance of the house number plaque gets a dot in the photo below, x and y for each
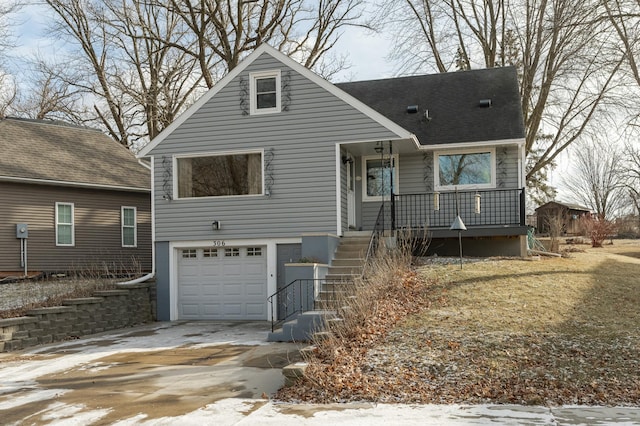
(219, 243)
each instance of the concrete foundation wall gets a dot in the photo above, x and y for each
(107, 310)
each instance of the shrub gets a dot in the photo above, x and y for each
(597, 229)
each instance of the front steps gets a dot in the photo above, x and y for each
(301, 328)
(347, 265)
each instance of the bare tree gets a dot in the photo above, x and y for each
(49, 97)
(143, 62)
(597, 180)
(8, 86)
(561, 48)
(624, 16)
(225, 31)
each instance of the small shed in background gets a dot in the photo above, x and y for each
(569, 214)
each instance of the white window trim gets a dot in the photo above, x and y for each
(253, 105)
(73, 225)
(135, 226)
(214, 154)
(396, 177)
(436, 169)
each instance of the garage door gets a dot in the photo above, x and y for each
(227, 283)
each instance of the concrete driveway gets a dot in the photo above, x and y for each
(213, 373)
(164, 370)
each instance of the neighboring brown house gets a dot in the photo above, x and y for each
(569, 213)
(85, 200)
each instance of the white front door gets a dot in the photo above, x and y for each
(351, 196)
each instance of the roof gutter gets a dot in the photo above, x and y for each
(73, 184)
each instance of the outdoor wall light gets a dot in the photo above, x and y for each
(436, 201)
(216, 225)
(477, 203)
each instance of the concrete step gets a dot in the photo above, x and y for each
(348, 262)
(345, 270)
(341, 277)
(302, 328)
(357, 234)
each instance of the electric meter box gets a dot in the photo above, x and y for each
(22, 230)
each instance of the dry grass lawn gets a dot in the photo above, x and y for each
(548, 332)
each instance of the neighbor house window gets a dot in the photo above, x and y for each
(129, 228)
(265, 92)
(64, 224)
(220, 175)
(465, 169)
(379, 175)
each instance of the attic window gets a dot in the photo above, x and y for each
(265, 92)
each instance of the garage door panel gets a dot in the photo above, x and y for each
(190, 310)
(233, 309)
(211, 309)
(254, 289)
(235, 289)
(217, 286)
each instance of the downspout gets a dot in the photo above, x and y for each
(153, 232)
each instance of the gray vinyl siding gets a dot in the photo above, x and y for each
(303, 168)
(97, 228)
(417, 176)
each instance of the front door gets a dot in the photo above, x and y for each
(351, 196)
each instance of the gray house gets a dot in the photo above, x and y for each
(73, 199)
(275, 164)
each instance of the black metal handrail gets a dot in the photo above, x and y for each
(498, 207)
(292, 299)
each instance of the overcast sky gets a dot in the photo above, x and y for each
(366, 50)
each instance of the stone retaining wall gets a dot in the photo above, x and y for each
(106, 310)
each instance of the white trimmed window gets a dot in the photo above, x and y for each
(221, 175)
(265, 92)
(65, 228)
(129, 227)
(379, 175)
(465, 169)
(232, 252)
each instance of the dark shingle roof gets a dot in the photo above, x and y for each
(570, 206)
(45, 150)
(453, 101)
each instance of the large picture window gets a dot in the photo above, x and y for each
(220, 175)
(265, 92)
(64, 224)
(129, 228)
(465, 169)
(379, 175)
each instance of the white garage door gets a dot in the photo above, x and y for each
(228, 283)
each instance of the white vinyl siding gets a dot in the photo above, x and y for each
(65, 228)
(129, 227)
